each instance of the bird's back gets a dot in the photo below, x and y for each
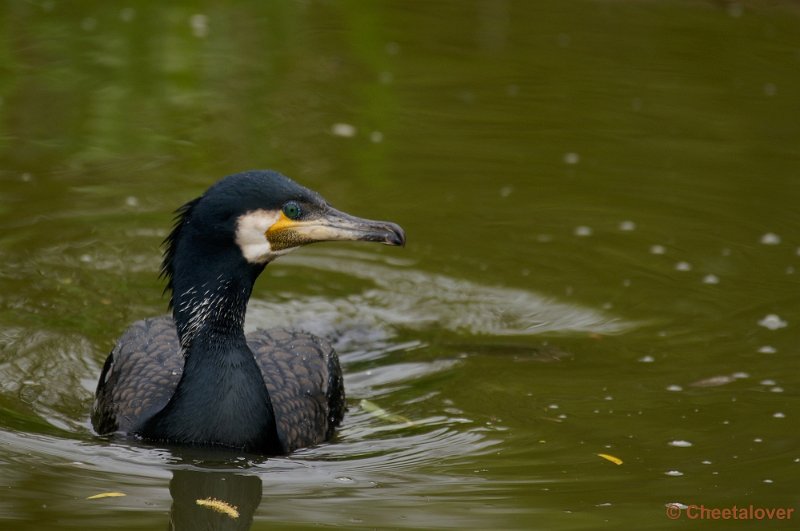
(301, 371)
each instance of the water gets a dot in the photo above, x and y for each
(601, 208)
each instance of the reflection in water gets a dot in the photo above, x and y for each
(241, 495)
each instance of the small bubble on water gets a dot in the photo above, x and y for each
(772, 322)
(505, 191)
(571, 158)
(768, 382)
(778, 415)
(770, 238)
(768, 481)
(392, 48)
(343, 130)
(376, 137)
(740, 375)
(705, 462)
(583, 231)
(127, 14)
(776, 390)
(627, 226)
(683, 266)
(132, 201)
(758, 440)
(344, 479)
(647, 359)
(673, 473)
(767, 349)
(199, 24)
(770, 89)
(674, 388)
(711, 279)
(680, 444)
(657, 249)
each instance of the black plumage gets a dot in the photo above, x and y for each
(195, 378)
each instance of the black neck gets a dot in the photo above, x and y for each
(221, 398)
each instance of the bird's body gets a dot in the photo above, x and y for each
(195, 378)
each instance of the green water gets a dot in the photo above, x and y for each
(601, 203)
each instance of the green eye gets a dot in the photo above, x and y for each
(292, 210)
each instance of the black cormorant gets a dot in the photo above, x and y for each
(194, 378)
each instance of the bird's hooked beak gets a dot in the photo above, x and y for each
(329, 224)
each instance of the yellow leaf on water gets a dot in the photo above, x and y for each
(106, 495)
(377, 411)
(220, 506)
(613, 459)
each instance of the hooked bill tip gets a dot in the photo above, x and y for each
(395, 236)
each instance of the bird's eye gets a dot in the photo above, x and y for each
(292, 210)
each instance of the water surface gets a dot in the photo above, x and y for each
(601, 207)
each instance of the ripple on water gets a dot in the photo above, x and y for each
(404, 297)
(396, 462)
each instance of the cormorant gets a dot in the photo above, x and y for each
(194, 378)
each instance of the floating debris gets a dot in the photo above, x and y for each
(714, 381)
(722, 379)
(678, 505)
(106, 495)
(376, 411)
(772, 322)
(219, 506)
(608, 457)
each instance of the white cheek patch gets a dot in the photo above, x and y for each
(251, 235)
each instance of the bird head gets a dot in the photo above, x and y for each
(261, 215)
